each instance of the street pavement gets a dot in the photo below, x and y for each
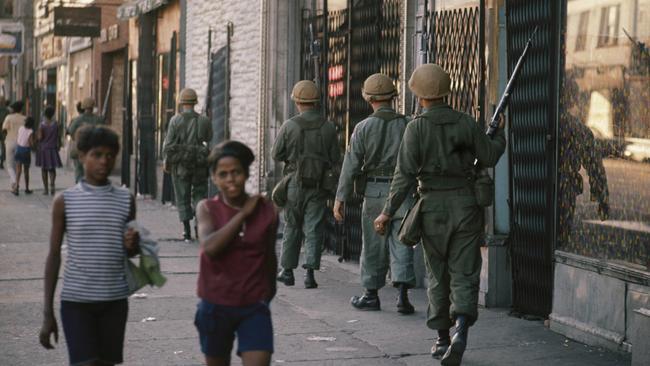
(312, 327)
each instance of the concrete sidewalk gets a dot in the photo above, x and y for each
(312, 327)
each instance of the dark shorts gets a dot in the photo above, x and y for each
(94, 331)
(218, 325)
(23, 155)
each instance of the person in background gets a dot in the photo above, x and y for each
(23, 158)
(10, 126)
(47, 156)
(93, 215)
(4, 111)
(236, 283)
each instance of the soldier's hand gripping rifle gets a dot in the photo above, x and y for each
(503, 103)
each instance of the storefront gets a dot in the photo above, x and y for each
(602, 272)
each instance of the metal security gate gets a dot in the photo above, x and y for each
(532, 117)
(343, 48)
(456, 41)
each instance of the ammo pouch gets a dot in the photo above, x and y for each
(330, 181)
(280, 194)
(484, 189)
(410, 230)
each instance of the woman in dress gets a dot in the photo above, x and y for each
(47, 156)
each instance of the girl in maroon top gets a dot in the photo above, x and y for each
(238, 263)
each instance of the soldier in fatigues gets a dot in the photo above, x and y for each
(370, 161)
(308, 147)
(186, 151)
(86, 118)
(438, 150)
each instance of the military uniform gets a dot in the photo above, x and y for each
(304, 213)
(438, 150)
(190, 179)
(370, 158)
(87, 118)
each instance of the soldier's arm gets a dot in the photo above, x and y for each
(408, 161)
(352, 162)
(279, 151)
(488, 150)
(170, 137)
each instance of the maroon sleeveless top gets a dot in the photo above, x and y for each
(238, 276)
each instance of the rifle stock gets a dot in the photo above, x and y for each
(493, 126)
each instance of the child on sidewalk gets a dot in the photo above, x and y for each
(93, 215)
(49, 144)
(23, 157)
(236, 282)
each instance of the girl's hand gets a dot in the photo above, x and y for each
(131, 240)
(250, 205)
(49, 327)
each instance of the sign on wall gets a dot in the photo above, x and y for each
(77, 22)
(11, 38)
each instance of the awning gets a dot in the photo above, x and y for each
(135, 8)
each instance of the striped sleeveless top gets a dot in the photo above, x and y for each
(95, 220)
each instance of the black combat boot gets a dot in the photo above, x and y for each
(403, 304)
(369, 301)
(442, 343)
(187, 231)
(310, 281)
(454, 353)
(286, 277)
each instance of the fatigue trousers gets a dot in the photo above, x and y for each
(452, 229)
(189, 188)
(78, 170)
(380, 252)
(304, 217)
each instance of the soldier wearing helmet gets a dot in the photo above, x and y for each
(438, 153)
(308, 147)
(86, 117)
(368, 166)
(185, 151)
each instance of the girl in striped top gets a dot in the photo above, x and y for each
(93, 215)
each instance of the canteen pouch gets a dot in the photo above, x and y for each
(410, 229)
(484, 189)
(280, 194)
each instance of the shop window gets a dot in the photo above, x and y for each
(604, 142)
(581, 39)
(609, 18)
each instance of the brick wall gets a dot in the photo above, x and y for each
(245, 62)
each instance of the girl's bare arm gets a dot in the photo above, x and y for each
(52, 266)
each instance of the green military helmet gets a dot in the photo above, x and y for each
(378, 87)
(88, 103)
(305, 91)
(187, 96)
(430, 81)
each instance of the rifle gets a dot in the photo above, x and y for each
(640, 45)
(503, 103)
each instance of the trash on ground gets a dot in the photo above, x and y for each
(178, 352)
(353, 320)
(140, 295)
(148, 319)
(321, 339)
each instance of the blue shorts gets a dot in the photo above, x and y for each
(218, 325)
(94, 331)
